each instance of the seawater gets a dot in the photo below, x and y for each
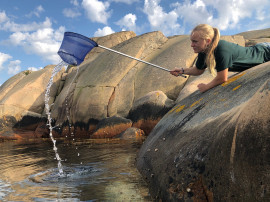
(104, 171)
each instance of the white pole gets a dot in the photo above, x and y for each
(137, 59)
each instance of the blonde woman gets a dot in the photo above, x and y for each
(221, 56)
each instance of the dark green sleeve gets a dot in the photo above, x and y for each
(200, 63)
(223, 60)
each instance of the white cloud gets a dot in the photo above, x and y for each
(14, 67)
(37, 11)
(128, 22)
(74, 2)
(71, 13)
(3, 58)
(125, 1)
(3, 17)
(103, 32)
(17, 38)
(193, 13)
(44, 42)
(97, 11)
(222, 14)
(14, 27)
(160, 20)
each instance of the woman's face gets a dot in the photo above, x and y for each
(197, 43)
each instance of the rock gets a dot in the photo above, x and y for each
(252, 42)
(42, 130)
(193, 81)
(215, 146)
(6, 124)
(149, 109)
(101, 79)
(108, 41)
(176, 52)
(23, 96)
(110, 127)
(28, 95)
(10, 83)
(255, 34)
(131, 134)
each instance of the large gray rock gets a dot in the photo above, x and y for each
(26, 95)
(98, 83)
(22, 101)
(110, 84)
(256, 34)
(212, 146)
(149, 109)
(176, 52)
(108, 41)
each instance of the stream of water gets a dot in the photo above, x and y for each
(104, 171)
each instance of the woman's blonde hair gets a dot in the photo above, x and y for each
(208, 32)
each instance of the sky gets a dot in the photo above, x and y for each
(31, 31)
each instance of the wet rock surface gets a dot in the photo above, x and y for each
(211, 141)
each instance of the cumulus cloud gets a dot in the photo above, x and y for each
(43, 42)
(160, 20)
(11, 26)
(226, 15)
(3, 58)
(97, 11)
(128, 22)
(14, 67)
(222, 14)
(103, 32)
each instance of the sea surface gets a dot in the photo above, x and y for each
(94, 170)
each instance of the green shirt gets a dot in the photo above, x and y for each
(235, 57)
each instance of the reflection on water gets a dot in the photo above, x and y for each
(93, 171)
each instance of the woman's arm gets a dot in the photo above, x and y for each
(221, 77)
(194, 71)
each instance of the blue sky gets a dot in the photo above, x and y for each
(31, 31)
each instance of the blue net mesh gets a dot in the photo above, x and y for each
(74, 48)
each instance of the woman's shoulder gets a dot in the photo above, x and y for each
(224, 46)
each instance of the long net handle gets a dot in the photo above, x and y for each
(138, 59)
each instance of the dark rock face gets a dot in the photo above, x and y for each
(132, 134)
(112, 126)
(212, 146)
(149, 109)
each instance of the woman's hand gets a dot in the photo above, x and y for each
(177, 71)
(188, 71)
(202, 87)
(221, 77)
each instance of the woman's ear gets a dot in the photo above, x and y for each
(208, 41)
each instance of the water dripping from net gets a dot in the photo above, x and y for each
(56, 69)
